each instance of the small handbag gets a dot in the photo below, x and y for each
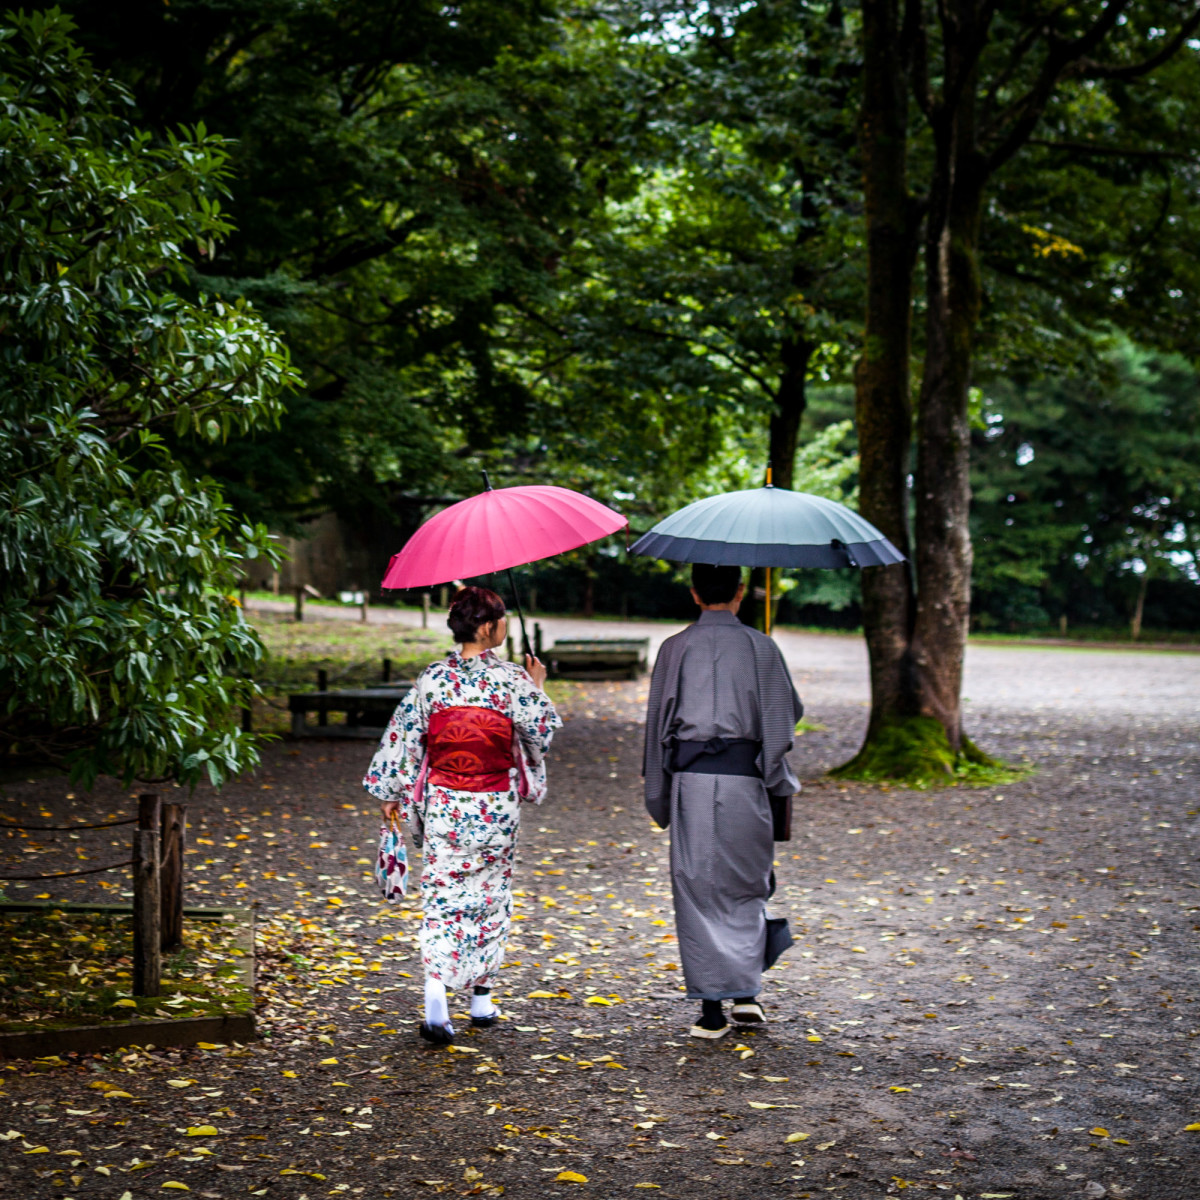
(391, 863)
(781, 818)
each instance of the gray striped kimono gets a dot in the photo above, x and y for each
(720, 678)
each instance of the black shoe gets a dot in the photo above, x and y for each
(438, 1035)
(712, 1023)
(486, 1022)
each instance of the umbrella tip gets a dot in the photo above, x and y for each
(487, 483)
(769, 483)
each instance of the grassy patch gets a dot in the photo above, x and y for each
(804, 725)
(59, 968)
(915, 752)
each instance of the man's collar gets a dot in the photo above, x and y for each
(717, 616)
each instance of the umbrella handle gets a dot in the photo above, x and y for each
(512, 583)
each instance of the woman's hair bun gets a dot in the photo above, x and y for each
(473, 607)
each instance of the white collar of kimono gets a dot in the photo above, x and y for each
(486, 659)
(718, 616)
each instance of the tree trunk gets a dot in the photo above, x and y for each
(783, 438)
(883, 411)
(915, 615)
(942, 480)
(790, 402)
(1139, 607)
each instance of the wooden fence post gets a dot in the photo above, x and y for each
(424, 610)
(174, 834)
(387, 670)
(299, 603)
(147, 900)
(322, 686)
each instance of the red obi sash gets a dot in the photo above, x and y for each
(470, 749)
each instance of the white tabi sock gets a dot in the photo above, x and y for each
(437, 1009)
(482, 1006)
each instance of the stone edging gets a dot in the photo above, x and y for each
(163, 1031)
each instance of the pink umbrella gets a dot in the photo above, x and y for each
(497, 530)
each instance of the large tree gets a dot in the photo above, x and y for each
(984, 80)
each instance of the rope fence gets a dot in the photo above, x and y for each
(71, 874)
(157, 862)
(71, 828)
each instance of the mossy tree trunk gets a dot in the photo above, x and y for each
(883, 410)
(916, 616)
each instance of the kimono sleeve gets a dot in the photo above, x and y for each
(780, 709)
(394, 770)
(534, 719)
(660, 712)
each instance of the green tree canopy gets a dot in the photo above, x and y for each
(1085, 485)
(120, 649)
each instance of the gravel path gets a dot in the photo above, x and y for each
(993, 992)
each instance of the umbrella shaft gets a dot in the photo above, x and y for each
(512, 583)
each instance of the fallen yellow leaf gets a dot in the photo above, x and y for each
(202, 1131)
(858, 950)
(761, 1104)
(1193, 1128)
(570, 1177)
(815, 1037)
(648, 1185)
(797, 1137)
(899, 1089)
(208, 1046)
(328, 1062)
(179, 1187)
(117, 1094)
(180, 1083)
(290, 1075)
(599, 1000)
(1099, 1131)
(124, 1004)
(543, 995)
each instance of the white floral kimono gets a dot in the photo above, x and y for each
(463, 749)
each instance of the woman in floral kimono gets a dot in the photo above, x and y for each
(464, 748)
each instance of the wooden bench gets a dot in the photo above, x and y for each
(599, 658)
(367, 710)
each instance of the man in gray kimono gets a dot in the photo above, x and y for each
(719, 725)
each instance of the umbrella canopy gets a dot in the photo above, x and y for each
(768, 527)
(498, 529)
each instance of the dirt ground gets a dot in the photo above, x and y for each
(992, 993)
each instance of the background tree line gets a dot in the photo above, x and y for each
(903, 253)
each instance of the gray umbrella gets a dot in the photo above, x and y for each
(768, 527)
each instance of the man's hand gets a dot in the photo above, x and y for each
(537, 670)
(390, 810)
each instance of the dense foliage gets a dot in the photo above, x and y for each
(1087, 494)
(624, 249)
(120, 649)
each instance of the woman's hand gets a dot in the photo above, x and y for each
(537, 671)
(390, 810)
